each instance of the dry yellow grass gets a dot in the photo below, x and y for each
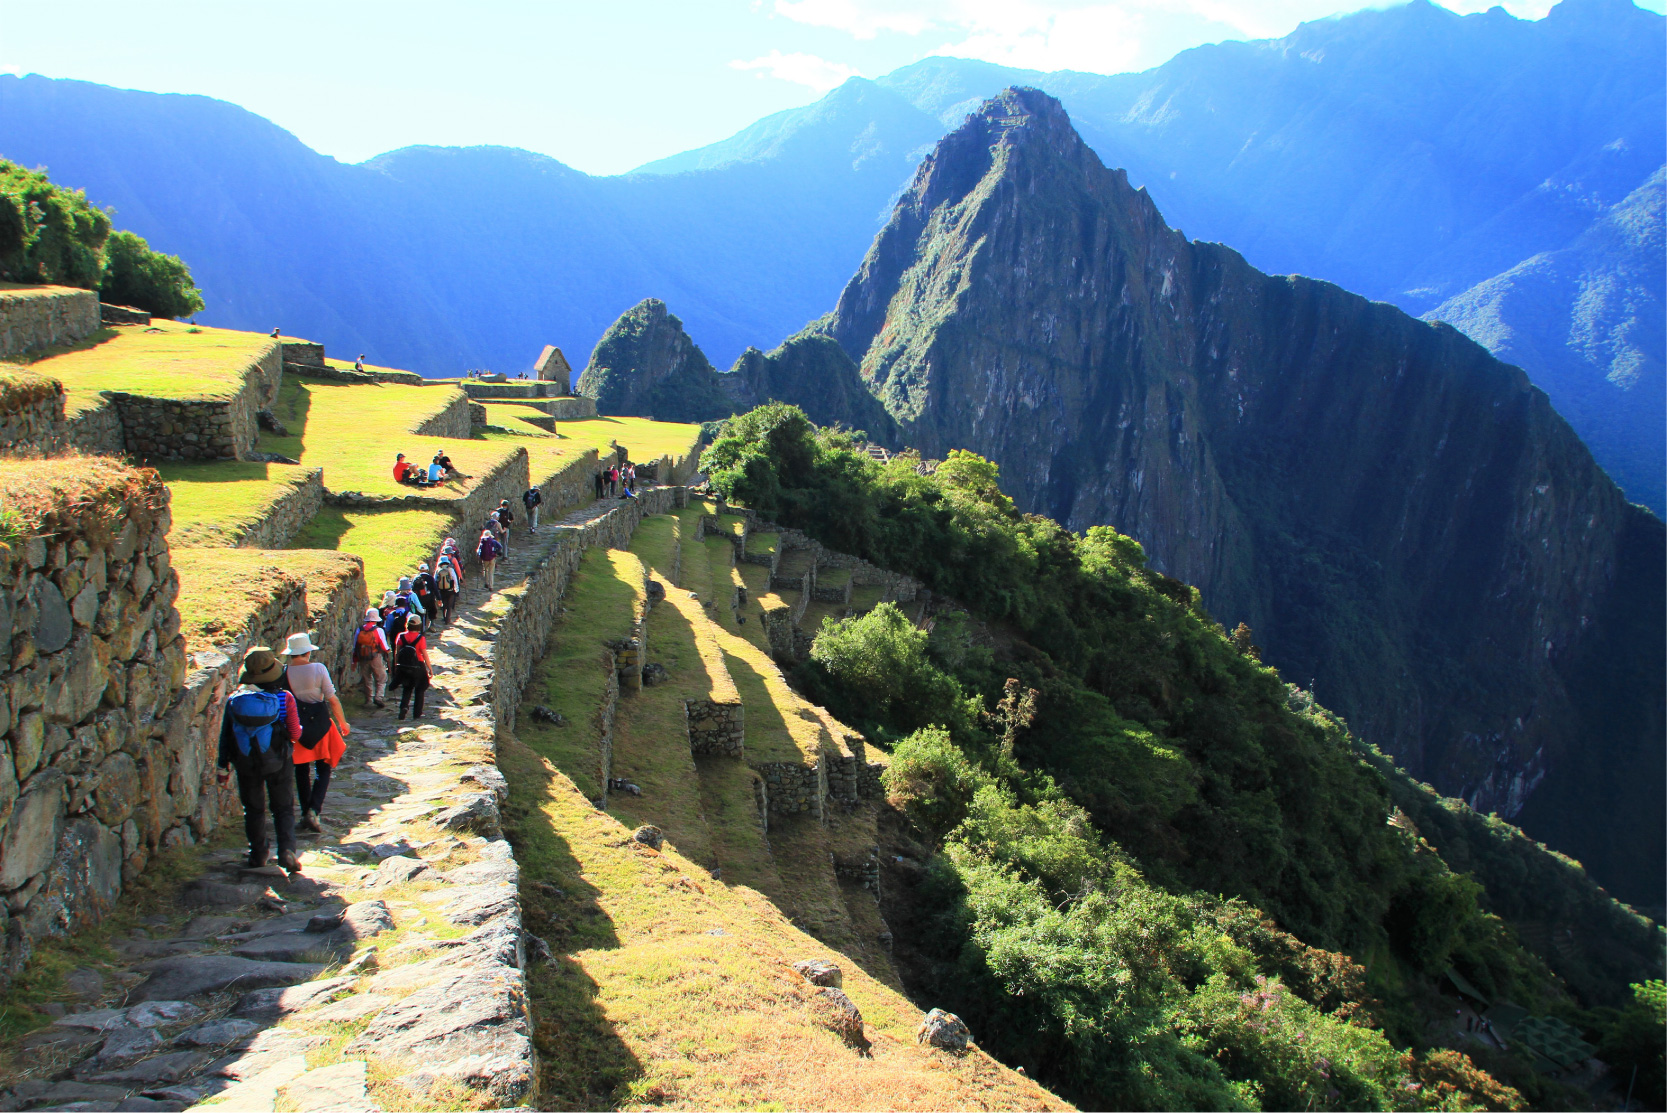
(85, 495)
(222, 589)
(670, 989)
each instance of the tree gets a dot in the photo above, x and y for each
(48, 233)
(159, 284)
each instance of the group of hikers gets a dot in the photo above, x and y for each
(617, 481)
(441, 470)
(284, 730)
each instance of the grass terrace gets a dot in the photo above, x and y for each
(512, 416)
(392, 542)
(762, 544)
(222, 589)
(170, 359)
(354, 430)
(599, 606)
(214, 503)
(643, 438)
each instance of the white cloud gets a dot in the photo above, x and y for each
(801, 69)
(11, 70)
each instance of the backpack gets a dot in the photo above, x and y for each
(448, 577)
(252, 715)
(366, 646)
(422, 585)
(406, 655)
(488, 549)
(395, 621)
(532, 498)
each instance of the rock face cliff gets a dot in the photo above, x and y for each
(1402, 518)
(646, 364)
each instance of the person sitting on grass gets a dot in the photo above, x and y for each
(451, 468)
(436, 472)
(403, 471)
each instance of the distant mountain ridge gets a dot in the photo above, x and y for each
(1409, 154)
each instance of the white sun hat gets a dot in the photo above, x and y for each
(299, 644)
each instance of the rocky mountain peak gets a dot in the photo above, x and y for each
(647, 364)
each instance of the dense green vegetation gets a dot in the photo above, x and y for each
(1150, 860)
(49, 234)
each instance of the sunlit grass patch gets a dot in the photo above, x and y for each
(512, 416)
(762, 544)
(391, 542)
(354, 430)
(215, 503)
(170, 359)
(644, 439)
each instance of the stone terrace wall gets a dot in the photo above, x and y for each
(43, 316)
(91, 778)
(31, 413)
(201, 429)
(569, 487)
(450, 421)
(286, 516)
(793, 787)
(571, 408)
(716, 727)
(97, 431)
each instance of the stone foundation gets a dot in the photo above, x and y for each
(31, 414)
(451, 420)
(96, 432)
(794, 788)
(716, 727)
(201, 428)
(42, 316)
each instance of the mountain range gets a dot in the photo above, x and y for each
(1465, 167)
(1405, 522)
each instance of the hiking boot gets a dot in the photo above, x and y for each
(257, 858)
(402, 714)
(379, 704)
(309, 822)
(288, 860)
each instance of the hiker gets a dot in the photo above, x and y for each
(394, 615)
(422, 587)
(260, 726)
(613, 481)
(407, 598)
(532, 500)
(448, 584)
(487, 552)
(412, 671)
(323, 727)
(359, 364)
(370, 650)
(274, 334)
(506, 518)
(496, 525)
(599, 483)
(631, 476)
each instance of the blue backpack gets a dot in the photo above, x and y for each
(253, 714)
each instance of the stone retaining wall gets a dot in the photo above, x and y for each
(91, 779)
(569, 487)
(31, 414)
(716, 727)
(572, 408)
(201, 428)
(286, 515)
(794, 788)
(42, 316)
(452, 420)
(121, 315)
(347, 375)
(477, 416)
(303, 353)
(96, 431)
(334, 619)
(868, 780)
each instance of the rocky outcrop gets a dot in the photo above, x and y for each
(646, 364)
(811, 371)
(1400, 516)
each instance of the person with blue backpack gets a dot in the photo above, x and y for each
(258, 731)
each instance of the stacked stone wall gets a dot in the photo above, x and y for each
(451, 420)
(201, 428)
(305, 354)
(569, 487)
(794, 788)
(31, 415)
(287, 515)
(868, 780)
(44, 316)
(121, 315)
(334, 621)
(716, 727)
(96, 431)
(571, 408)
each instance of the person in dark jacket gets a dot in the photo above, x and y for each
(264, 774)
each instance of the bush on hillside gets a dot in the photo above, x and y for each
(882, 658)
(48, 234)
(159, 284)
(55, 236)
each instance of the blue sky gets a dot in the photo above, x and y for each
(601, 86)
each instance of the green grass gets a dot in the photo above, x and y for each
(657, 542)
(391, 542)
(573, 673)
(354, 430)
(512, 416)
(733, 524)
(795, 562)
(170, 359)
(214, 503)
(865, 597)
(833, 577)
(816, 611)
(643, 439)
(761, 543)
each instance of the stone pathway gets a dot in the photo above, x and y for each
(392, 964)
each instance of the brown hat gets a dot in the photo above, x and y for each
(261, 666)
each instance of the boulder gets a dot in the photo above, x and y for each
(650, 836)
(270, 1004)
(217, 1033)
(819, 971)
(471, 1029)
(945, 1030)
(153, 1014)
(189, 975)
(840, 1015)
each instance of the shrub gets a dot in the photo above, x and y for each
(882, 658)
(931, 781)
(48, 234)
(159, 284)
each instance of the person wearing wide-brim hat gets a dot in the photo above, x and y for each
(323, 727)
(257, 737)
